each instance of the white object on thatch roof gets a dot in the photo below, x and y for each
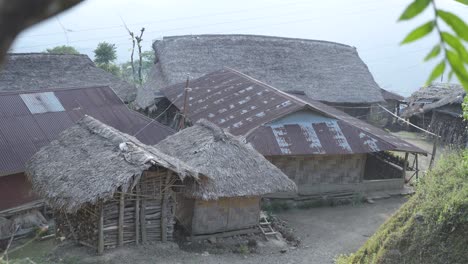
(234, 168)
(38, 71)
(90, 160)
(325, 71)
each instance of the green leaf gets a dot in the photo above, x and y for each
(438, 71)
(456, 44)
(456, 23)
(434, 53)
(465, 2)
(414, 9)
(419, 32)
(450, 75)
(458, 67)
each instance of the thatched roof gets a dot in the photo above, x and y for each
(325, 71)
(388, 96)
(36, 71)
(434, 96)
(89, 161)
(233, 167)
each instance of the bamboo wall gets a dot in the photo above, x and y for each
(222, 215)
(143, 215)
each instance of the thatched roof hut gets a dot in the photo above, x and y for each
(325, 71)
(234, 168)
(37, 71)
(434, 96)
(90, 161)
(438, 108)
(238, 175)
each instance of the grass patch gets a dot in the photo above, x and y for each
(432, 227)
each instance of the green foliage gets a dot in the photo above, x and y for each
(110, 67)
(419, 32)
(105, 53)
(434, 53)
(146, 65)
(432, 227)
(450, 46)
(414, 9)
(64, 49)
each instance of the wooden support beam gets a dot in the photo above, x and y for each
(101, 230)
(434, 152)
(417, 165)
(137, 215)
(121, 219)
(405, 165)
(143, 221)
(164, 208)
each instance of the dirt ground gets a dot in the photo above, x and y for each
(325, 233)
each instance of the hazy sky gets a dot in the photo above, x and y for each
(369, 25)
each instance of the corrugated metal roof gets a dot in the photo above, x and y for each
(246, 106)
(30, 120)
(331, 137)
(42, 102)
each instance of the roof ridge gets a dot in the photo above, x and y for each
(257, 36)
(44, 53)
(3, 93)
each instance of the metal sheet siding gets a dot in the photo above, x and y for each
(23, 133)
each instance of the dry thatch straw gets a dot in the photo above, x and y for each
(90, 161)
(233, 167)
(434, 96)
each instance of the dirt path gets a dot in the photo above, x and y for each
(325, 232)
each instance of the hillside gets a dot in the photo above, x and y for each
(432, 227)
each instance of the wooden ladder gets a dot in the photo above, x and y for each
(266, 228)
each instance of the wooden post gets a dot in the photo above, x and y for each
(417, 165)
(405, 165)
(164, 209)
(101, 229)
(137, 214)
(143, 221)
(121, 219)
(434, 151)
(184, 111)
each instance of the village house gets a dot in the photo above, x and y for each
(322, 149)
(329, 72)
(238, 175)
(37, 71)
(438, 108)
(30, 120)
(133, 190)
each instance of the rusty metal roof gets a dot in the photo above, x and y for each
(248, 107)
(30, 120)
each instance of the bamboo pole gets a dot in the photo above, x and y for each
(143, 221)
(101, 230)
(164, 209)
(137, 215)
(121, 219)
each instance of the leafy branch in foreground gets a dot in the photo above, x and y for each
(451, 47)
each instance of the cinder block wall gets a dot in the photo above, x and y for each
(322, 173)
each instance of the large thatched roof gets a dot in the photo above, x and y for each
(234, 168)
(36, 71)
(325, 71)
(89, 161)
(434, 96)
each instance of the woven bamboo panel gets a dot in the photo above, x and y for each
(336, 169)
